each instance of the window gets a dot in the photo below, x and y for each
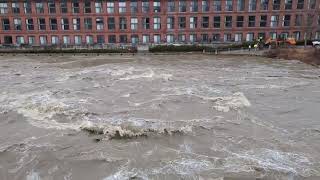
(276, 4)
(88, 23)
(17, 24)
(205, 22)
(31, 40)
(76, 24)
(110, 6)
(20, 40)
(252, 5)
(310, 19)
(65, 24)
(3, 8)
(205, 5)
(274, 21)
(134, 39)
(228, 21)
(112, 39)
(240, 5)
(170, 38)
(53, 24)
(312, 4)
(182, 22)
(89, 39)
(156, 23)
(77, 40)
(157, 38)
(66, 40)
(262, 35)
(216, 37)
(52, 6)
(238, 37)
(63, 6)
(145, 6)
(240, 20)
(133, 6)
(122, 6)
(170, 22)
(146, 23)
(286, 20)
(5, 24)
(123, 39)
(40, 7)
(217, 5)
(156, 6)
(216, 21)
(284, 35)
(15, 8)
(54, 40)
(193, 6)
(99, 23)
(264, 4)
(145, 39)
(252, 21)
(193, 22)
(263, 21)
(30, 25)
(7, 39)
(227, 37)
(193, 38)
(87, 6)
(171, 6)
(27, 7)
(288, 4)
(250, 37)
(43, 40)
(134, 23)
(98, 6)
(123, 23)
(182, 6)
(229, 6)
(181, 38)
(297, 35)
(111, 23)
(75, 6)
(100, 39)
(298, 20)
(273, 35)
(204, 38)
(300, 4)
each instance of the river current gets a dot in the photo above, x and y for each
(183, 116)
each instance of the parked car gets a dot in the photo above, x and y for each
(316, 43)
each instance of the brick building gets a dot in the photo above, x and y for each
(79, 22)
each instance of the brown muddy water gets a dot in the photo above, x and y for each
(158, 117)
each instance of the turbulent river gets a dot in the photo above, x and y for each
(158, 117)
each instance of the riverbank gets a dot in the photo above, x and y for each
(306, 55)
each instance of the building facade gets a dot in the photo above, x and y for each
(80, 22)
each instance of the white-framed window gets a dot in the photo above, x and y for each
(89, 39)
(98, 6)
(100, 23)
(76, 24)
(273, 35)
(193, 38)
(145, 39)
(250, 37)
(31, 40)
(43, 40)
(238, 37)
(20, 40)
(134, 23)
(122, 7)
(3, 8)
(134, 39)
(157, 38)
(156, 6)
(274, 21)
(170, 38)
(66, 40)
(193, 22)
(17, 24)
(156, 23)
(110, 7)
(54, 40)
(77, 40)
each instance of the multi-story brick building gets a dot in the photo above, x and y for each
(76, 22)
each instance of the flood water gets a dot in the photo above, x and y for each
(158, 117)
